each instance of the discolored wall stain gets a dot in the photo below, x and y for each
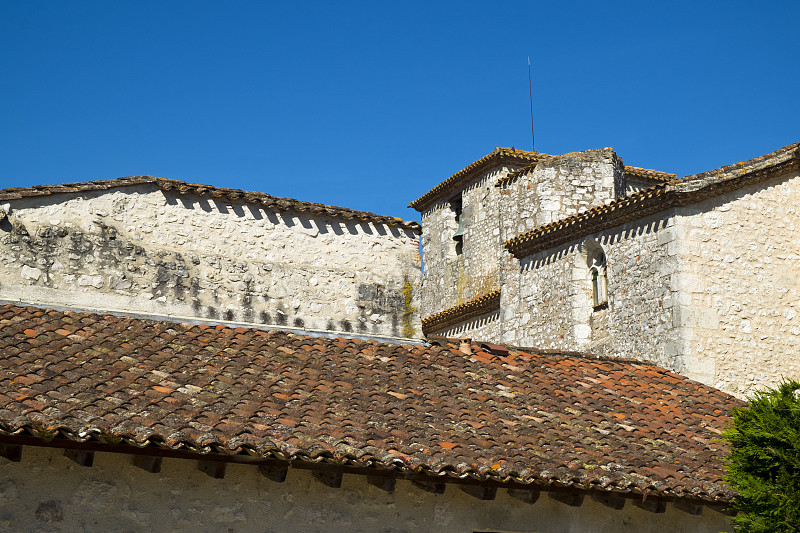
(142, 252)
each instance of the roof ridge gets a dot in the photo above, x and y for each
(182, 187)
(657, 198)
(191, 321)
(459, 178)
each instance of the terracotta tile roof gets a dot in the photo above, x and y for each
(182, 187)
(663, 196)
(508, 156)
(653, 175)
(495, 415)
(499, 156)
(477, 306)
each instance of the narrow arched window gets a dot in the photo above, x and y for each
(598, 274)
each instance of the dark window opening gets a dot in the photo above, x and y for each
(458, 236)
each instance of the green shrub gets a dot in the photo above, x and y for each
(764, 461)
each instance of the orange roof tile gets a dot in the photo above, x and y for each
(546, 420)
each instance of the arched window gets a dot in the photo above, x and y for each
(596, 261)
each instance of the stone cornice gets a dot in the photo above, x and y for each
(283, 204)
(479, 305)
(658, 198)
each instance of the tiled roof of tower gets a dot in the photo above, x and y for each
(508, 416)
(497, 157)
(181, 187)
(510, 156)
(657, 198)
(479, 305)
(656, 176)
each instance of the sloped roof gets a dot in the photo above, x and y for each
(515, 417)
(510, 156)
(181, 187)
(496, 157)
(655, 199)
(479, 305)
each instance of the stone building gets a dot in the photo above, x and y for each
(186, 357)
(580, 252)
(172, 249)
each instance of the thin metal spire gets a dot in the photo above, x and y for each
(530, 94)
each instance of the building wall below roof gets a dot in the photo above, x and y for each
(740, 292)
(547, 299)
(140, 249)
(48, 492)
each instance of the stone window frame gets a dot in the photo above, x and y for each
(596, 262)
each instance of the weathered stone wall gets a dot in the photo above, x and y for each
(538, 300)
(740, 295)
(557, 187)
(451, 278)
(642, 291)
(549, 304)
(48, 492)
(140, 249)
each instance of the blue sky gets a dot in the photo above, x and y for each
(370, 105)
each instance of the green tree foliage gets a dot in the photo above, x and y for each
(764, 461)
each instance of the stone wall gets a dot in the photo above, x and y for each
(557, 187)
(48, 492)
(548, 303)
(451, 278)
(740, 296)
(710, 290)
(140, 249)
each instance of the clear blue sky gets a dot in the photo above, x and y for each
(369, 105)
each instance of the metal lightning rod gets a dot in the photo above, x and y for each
(530, 94)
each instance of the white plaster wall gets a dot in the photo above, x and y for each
(47, 492)
(740, 296)
(139, 249)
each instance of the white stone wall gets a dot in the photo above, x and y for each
(47, 492)
(740, 297)
(547, 301)
(140, 249)
(450, 279)
(557, 187)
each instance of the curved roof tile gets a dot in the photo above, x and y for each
(509, 416)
